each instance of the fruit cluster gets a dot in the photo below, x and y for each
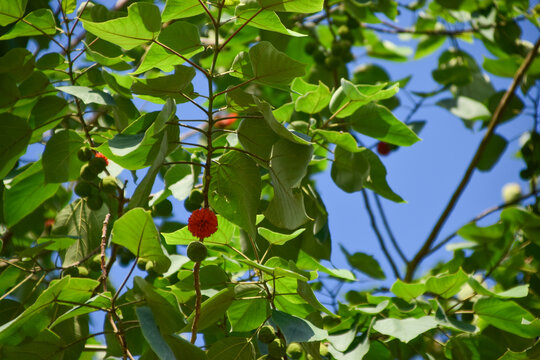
(89, 185)
(277, 349)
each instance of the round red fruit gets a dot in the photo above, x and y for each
(100, 155)
(202, 223)
(383, 148)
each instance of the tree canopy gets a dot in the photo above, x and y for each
(91, 181)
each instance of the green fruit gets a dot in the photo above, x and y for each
(94, 202)
(95, 263)
(352, 23)
(149, 266)
(141, 264)
(310, 47)
(511, 192)
(276, 349)
(85, 154)
(108, 184)
(194, 201)
(332, 61)
(98, 164)
(294, 350)
(83, 189)
(319, 57)
(345, 34)
(163, 208)
(266, 334)
(82, 270)
(87, 173)
(196, 251)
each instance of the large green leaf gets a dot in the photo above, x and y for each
(365, 263)
(136, 231)
(26, 193)
(232, 348)
(301, 6)
(38, 22)
(183, 349)
(17, 63)
(186, 45)
(447, 285)
(14, 137)
(179, 9)
(11, 11)
(507, 316)
(60, 161)
(376, 180)
(88, 95)
(405, 329)
(313, 101)
(276, 238)
(160, 88)
(141, 25)
(296, 329)
(350, 170)
(466, 108)
(255, 16)
(407, 291)
(276, 126)
(235, 189)
(378, 122)
(267, 66)
(257, 137)
(246, 315)
(77, 221)
(151, 333)
(212, 309)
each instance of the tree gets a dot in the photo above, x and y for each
(280, 103)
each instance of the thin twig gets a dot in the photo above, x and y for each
(389, 229)
(103, 245)
(198, 301)
(497, 114)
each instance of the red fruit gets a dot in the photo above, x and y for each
(202, 223)
(48, 222)
(100, 155)
(228, 121)
(383, 148)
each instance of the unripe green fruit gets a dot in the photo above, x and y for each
(276, 349)
(108, 184)
(266, 334)
(95, 263)
(84, 154)
(319, 57)
(163, 208)
(94, 202)
(511, 192)
(345, 33)
(82, 270)
(294, 350)
(98, 164)
(83, 189)
(149, 266)
(141, 264)
(332, 61)
(196, 251)
(194, 201)
(310, 47)
(87, 173)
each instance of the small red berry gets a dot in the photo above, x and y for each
(383, 148)
(230, 119)
(49, 222)
(202, 223)
(100, 155)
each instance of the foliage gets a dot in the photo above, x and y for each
(280, 105)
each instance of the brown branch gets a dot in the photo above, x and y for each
(103, 245)
(198, 301)
(497, 114)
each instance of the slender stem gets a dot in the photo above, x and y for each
(379, 235)
(198, 301)
(237, 31)
(497, 114)
(233, 88)
(180, 56)
(103, 246)
(389, 229)
(242, 151)
(16, 286)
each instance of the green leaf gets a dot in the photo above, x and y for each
(102, 300)
(27, 192)
(492, 153)
(151, 333)
(257, 137)
(77, 221)
(301, 6)
(14, 138)
(183, 349)
(141, 25)
(246, 315)
(288, 165)
(447, 285)
(276, 126)
(275, 271)
(17, 63)
(60, 161)
(378, 122)
(507, 316)
(38, 22)
(314, 101)
(267, 65)
(365, 264)
(376, 180)
(179, 9)
(466, 108)
(223, 235)
(268, 20)
(159, 88)
(407, 291)
(428, 44)
(350, 170)
(515, 292)
(212, 309)
(343, 139)
(306, 292)
(296, 329)
(186, 45)
(232, 348)
(276, 238)
(405, 329)
(11, 11)
(136, 231)
(68, 6)
(235, 189)
(306, 262)
(88, 95)
(350, 97)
